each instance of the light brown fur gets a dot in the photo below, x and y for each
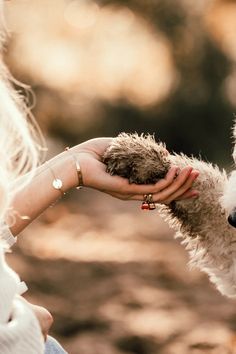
(201, 222)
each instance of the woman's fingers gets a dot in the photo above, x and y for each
(165, 182)
(189, 194)
(177, 190)
(180, 188)
(166, 186)
(44, 317)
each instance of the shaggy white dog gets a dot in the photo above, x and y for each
(201, 222)
(229, 198)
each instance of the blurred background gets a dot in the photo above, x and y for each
(113, 277)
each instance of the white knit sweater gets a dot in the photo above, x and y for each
(20, 332)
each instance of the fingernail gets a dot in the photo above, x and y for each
(177, 170)
(190, 170)
(195, 195)
(174, 168)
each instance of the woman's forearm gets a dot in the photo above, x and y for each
(37, 196)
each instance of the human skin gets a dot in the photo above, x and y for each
(26, 206)
(37, 196)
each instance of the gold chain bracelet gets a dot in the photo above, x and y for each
(57, 182)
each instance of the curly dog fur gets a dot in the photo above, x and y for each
(200, 222)
(229, 197)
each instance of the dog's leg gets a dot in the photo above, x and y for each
(210, 240)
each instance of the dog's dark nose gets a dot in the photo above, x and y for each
(232, 218)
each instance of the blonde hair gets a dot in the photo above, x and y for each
(20, 138)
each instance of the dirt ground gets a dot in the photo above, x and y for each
(117, 282)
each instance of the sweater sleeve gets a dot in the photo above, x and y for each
(19, 328)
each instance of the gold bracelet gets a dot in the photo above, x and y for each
(78, 169)
(57, 182)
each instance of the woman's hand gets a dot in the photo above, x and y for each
(95, 176)
(62, 167)
(44, 317)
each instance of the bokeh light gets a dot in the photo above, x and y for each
(105, 52)
(114, 278)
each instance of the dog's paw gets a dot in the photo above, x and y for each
(138, 158)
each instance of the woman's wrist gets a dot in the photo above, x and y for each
(82, 156)
(40, 193)
(78, 168)
(63, 168)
